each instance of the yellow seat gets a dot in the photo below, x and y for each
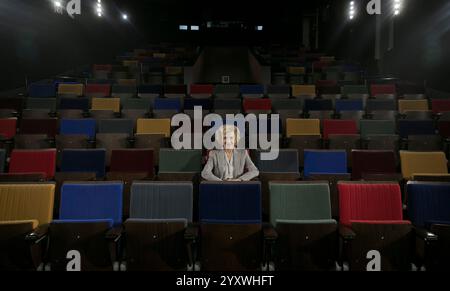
(412, 105)
(303, 90)
(112, 104)
(302, 127)
(418, 163)
(127, 82)
(31, 203)
(71, 89)
(33, 223)
(153, 126)
(296, 70)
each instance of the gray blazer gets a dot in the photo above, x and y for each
(215, 167)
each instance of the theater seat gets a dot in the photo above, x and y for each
(33, 161)
(341, 127)
(24, 209)
(373, 162)
(153, 126)
(302, 127)
(88, 214)
(371, 218)
(231, 236)
(84, 160)
(257, 106)
(39, 126)
(8, 127)
(78, 127)
(428, 209)
(415, 163)
(306, 236)
(325, 162)
(201, 91)
(132, 161)
(156, 234)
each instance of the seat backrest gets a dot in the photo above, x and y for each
(190, 104)
(325, 162)
(26, 201)
(33, 161)
(42, 90)
(354, 89)
(349, 105)
(369, 202)
(91, 201)
(412, 105)
(287, 162)
(299, 202)
(84, 160)
(175, 89)
(413, 163)
(377, 127)
(74, 103)
(444, 128)
(71, 89)
(230, 104)
(318, 105)
(8, 127)
(302, 127)
(196, 89)
(372, 162)
(230, 202)
(381, 89)
(171, 160)
(257, 104)
(101, 90)
(440, 105)
(287, 104)
(252, 90)
(428, 203)
(48, 104)
(279, 90)
(116, 126)
(303, 90)
(381, 105)
(112, 104)
(132, 160)
(150, 89)
(167, 104)
(153, 126)
(39, 126)
(416, 127)
(334, 126)
(162, 200)
(78, 126)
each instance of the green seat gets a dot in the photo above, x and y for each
(41, 103)
(287, 104)
(180, 161)
(137, 103)
(300, 202)
(377, 127)
(307, 235)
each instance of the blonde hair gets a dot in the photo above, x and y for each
(223, 130)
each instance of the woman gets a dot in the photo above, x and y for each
(230, 163)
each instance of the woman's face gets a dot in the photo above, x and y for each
(229, 140)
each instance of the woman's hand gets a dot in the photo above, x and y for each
(233, 180)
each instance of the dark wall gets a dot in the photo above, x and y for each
(37, 43)
(421, 40)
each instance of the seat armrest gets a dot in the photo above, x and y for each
(191, 232)
(114, 234)
(38, 234)
(269, 232)
(425, 235)
(346, 232)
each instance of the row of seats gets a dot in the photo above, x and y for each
(190, 161)
(159, 235)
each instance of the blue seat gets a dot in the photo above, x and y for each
(428, 203)
(325, 162)
(189, 104)
(252, 90)
(287, 162)
(74, 104)
(78, 127)
(84, 160)
(235, 203)
(42, 90)
(416, 127)
(349, 105)
(167, 104)
(92, 201)
(318, 105)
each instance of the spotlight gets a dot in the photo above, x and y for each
(351, 10)
(57, 4)
(99, 8)
(183, 27)
(259, 28)
(124, 16)
(397, 7)
(195, 27)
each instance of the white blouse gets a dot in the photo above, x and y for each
(229, 169)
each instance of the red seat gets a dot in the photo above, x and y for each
(372, 162)
(257, 104)
(98, 89)
(370, 203)
(202, 89)
(444, 128)
(339, 127)
(132, 161)
(326, 83)
(440, 105)
(8, 127)
(376, 89)
(33, 161)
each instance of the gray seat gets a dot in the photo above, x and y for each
(116, 126)
(287, 162)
